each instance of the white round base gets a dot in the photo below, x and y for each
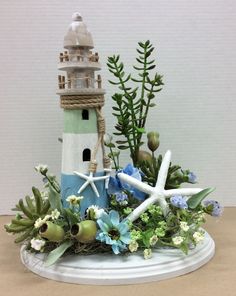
(105, 269)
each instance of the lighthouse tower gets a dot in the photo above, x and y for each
(85, 167)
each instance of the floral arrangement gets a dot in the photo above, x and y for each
(47, 225)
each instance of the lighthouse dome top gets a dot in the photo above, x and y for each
(78, 34)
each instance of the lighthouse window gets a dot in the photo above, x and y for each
(85, 114)
(86, 154)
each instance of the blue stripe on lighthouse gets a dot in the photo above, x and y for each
(70, 185)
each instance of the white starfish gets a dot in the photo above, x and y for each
(157, 193)
(90, 179)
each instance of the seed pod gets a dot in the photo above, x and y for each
(52, 232)
(144, 156)
(153, 141)
(85, 231)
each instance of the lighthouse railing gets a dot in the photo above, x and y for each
(79, 82)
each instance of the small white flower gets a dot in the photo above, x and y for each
(200, 217)
(46, 218)
(95, 211)
(74, 200)
(133, 246)
(177, 240)
(41, 168)
(198, 236)
(107, 139)
(38, 223)
(37, 244)
(153, 240)
(184, 226)
(44, 195)
(147, 253)
(55, 214)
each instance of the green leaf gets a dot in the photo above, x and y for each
(121, 142)
(141, 44)
(45, 207)
(117, 134)
(141, 130)
(111, 60)
(127, 79)
(143, 102)
(137, 68)
(23, 222)
(184, 248)
(115, 108)
(71, 217)
(116, 58)
(173, 169)
(138, 60)
(151, 67)
(110, 145)
(139, 51)
(54, 199)
(123, 147)
(25, 209)
(38, 199)
(146, 237)
(196, 199)
(151, 96)
(136, 80)
(150, 62)
(114, 83)
(30, 204)
(12, 228)
(57, 253)
(111, 66)
(24, 236)
(152, 105)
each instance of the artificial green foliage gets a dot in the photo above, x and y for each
(153, 230)
(54, 198)
(132, 104)
(29, 210)
(195, 200)
(134, 98)
(70, 216)
(54, 255)
(176, 176)
(47, 225)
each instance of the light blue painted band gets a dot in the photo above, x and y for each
(70, 185)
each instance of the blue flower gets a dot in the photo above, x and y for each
(113, 232)
(116, 185)
(213, 208)
(192, 178)
(178, 201)
(121, 198)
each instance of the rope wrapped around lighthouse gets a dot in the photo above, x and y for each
(85, 166)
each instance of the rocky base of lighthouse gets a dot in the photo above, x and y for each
(104, 269)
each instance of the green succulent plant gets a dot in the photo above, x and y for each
(134, 98)
(176, 176)
(29, 210)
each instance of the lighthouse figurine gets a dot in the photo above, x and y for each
(85, 167)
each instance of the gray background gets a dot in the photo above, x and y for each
(195, 46)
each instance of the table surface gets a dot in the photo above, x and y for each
(217, 277)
